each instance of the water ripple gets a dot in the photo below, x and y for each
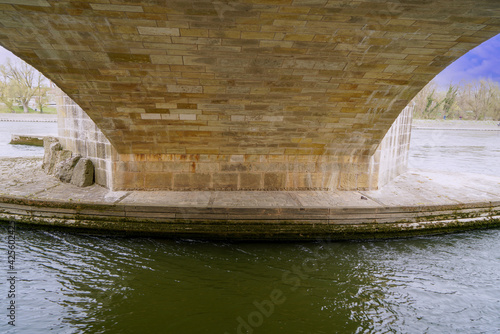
(95, 284)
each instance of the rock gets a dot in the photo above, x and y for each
(30, 140)
(83, 173)
(58, 155)
(49, 153)
(55, 147)
(53, 155)
(64, 169)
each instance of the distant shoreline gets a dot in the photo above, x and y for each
(432, 124)
(8, 117)
(429, 124)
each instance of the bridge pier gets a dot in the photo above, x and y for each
(358, 170)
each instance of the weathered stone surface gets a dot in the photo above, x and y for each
(416, 202)
(29, 140)
(65, 166)
(79, 134)
(248, 78)
(64, 169)
(50, 146)
(83, 173)
(54, 154)
(235, 71)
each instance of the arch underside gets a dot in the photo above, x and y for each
(251, 77)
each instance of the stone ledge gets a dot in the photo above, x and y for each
(277, 224)
(417, 202)
(31, 140)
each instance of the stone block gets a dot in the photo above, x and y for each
(161, 59)
(83, 173)
(158, 31)
(235, 167)
(363, 182)
(257, 35)
(64, 169)
(323, 181)
(101, 177)
(55, 155)
(274, 181)
(50, 146)
(119, 8)
(225, 181)
(158, 180)
(348, 181)
(210, 167)
(101, 150)
(250, 181)
(187, 181)
(127, 181)
(129, 58)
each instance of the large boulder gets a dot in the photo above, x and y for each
(64, 169)
(65, 166)
(83, 173)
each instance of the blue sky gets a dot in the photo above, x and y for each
(481, 62)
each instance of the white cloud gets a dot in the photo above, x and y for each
(481, 62)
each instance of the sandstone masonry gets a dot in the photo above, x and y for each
(251, 94)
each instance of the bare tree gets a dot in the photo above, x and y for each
(7, 94)
(477, 100)
(41, 98)
(25, 80)
(494, 111)
(480, 98)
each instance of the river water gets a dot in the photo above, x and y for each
(83, 283)
(455, 151)
(7, 129)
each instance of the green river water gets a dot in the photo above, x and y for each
(68, 283)
(81, 283)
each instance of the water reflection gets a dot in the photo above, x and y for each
(95, 284)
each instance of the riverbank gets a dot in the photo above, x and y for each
(455, 125)
(417, 202)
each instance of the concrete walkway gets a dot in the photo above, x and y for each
(416, 202)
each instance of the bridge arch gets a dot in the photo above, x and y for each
(252, 94)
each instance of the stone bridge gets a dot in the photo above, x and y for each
(249, 94)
